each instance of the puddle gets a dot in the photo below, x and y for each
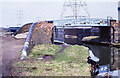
(46, 58)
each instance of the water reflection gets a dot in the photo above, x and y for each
(104, 60)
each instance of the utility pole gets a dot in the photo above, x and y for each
(75, 9)
(20, 17)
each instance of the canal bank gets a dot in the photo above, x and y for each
(104, 56)
(54, 60)
(104, 60)
(107, 54)
(96, 40)
(10, 51)
(68, 38)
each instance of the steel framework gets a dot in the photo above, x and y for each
(75, 9)
(20, 17)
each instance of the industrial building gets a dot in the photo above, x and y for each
(119, 10)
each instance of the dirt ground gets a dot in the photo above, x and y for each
(10, 50)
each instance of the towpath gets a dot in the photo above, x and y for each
(10, 50)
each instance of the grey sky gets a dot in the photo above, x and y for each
(55, 0)
(49, 10)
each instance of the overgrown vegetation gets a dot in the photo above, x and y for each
(71, 62)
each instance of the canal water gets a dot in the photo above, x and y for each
(104, 60)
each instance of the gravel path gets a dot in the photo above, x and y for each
(10, 50)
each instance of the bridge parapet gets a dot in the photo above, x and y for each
(116, 25)
(83, 22)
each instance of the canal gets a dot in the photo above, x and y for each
(104, 60)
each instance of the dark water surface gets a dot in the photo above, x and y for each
(105, 60)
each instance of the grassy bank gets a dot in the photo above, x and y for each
(71, 62)
(45, 49)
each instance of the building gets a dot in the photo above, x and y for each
(119, 10)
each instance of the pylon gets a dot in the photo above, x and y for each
(20, 17)
(75, 9)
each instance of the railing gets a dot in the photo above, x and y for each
(27, 42)
(83, 22)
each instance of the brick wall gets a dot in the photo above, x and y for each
(116, 25)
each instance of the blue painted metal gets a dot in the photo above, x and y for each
(27, 42)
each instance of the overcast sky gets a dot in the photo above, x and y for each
(55, 0)
(33, 10)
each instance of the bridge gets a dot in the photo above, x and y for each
(48, 32)
(65, 31)
(83, 22)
